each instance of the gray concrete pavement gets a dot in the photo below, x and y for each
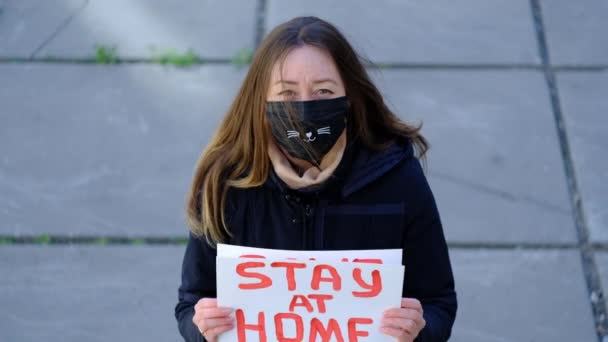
(426, 32)
(585, 106)
(486, 128)
(108, 150)
(521, 296)
(88, 293)
(100, 150)
(26, 25)
(137, 29)
(576, 31)
(602, 261)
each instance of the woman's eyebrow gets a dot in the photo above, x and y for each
(286, 81)
(323, 80)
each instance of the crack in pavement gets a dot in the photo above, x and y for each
(501, 193)
(590, 268)
(60, 28)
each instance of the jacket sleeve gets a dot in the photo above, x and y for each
(197, 281)
(428, 271)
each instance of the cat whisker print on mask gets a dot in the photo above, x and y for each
(324, 130)
(293, 134)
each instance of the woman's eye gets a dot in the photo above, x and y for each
(287, 93)
(325, 91)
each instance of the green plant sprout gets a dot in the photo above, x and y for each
(242, 57)
(175, 58)
(43, 239)
(101, 241)
(106, 54)
(138, 242)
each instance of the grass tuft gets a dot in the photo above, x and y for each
(43, 239)
(138, 242)
(6, 241)
(106, 54)
(102, 241)
(175, 58)
(242, 57)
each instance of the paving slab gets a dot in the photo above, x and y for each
(576, 31)
(473, 214)
(584, 106)
(474, 31)
(521, 295)
(494, 162)
(601, 260)
(25, 25)
(104, 150)
(140, 29)
(89, 293)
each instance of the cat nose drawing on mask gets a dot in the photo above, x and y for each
(309, 135)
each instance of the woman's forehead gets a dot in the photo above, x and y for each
(305, 64)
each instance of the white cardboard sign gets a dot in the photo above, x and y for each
(388, 256)
(287, 300)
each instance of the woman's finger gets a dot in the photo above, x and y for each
(402, 313)
(198, 318)
(216, 331)
(215, 312)
(408, 325)
(395, 332)
(406, 314)
(216, 322)
(206, 303)
(411, 303)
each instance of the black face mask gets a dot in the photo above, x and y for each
(312, 131)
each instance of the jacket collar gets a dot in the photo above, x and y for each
(370, 165)
(359, 167)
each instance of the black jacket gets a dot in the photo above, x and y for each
(374, 200)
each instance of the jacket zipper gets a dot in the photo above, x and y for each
(304, 234)
(305, 225)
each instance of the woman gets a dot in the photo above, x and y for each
(309, 157)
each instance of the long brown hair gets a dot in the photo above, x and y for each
(237, 155)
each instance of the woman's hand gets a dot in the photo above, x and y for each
(404, 323)
(211, 320)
